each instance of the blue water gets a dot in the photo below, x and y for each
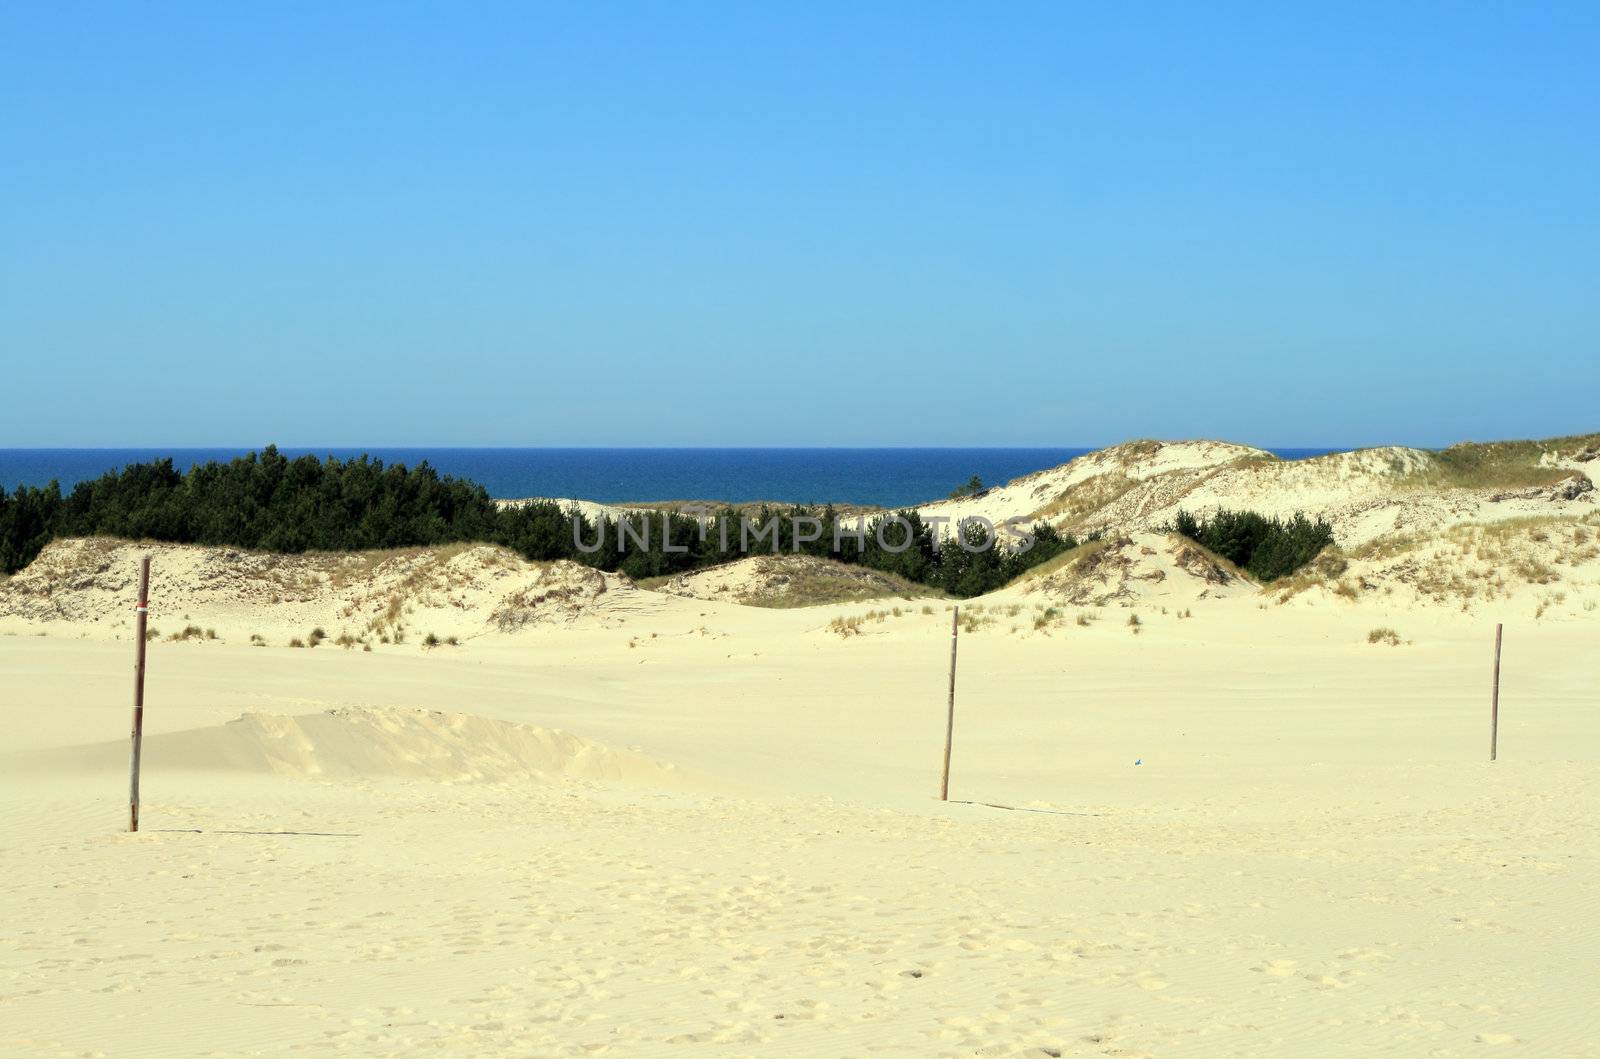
(887, 477)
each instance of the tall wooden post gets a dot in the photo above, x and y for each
(950, 716)
(1494, 701)
(142, 616)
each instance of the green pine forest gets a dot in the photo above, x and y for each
(268, 502)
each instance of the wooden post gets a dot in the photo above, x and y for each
(142, 615)
(950, 716)
(1494, 701)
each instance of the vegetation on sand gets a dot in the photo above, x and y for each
(1265, 548)
(268, 502)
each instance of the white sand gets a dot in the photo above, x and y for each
(1314, 858)
(618, 822)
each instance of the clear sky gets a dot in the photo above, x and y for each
(765, 224)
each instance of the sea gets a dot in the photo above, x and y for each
(886, 477)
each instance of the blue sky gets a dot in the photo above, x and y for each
(762, 224)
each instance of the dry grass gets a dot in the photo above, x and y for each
(1072, 558)
(1189, 554)
(973, 620)
(821, 583)
(1504, 464)
(854, 624)
(1463, 564)
(808, 581)
(1086, 497)
(816, 589)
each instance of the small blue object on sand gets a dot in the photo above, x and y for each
(1139, 762)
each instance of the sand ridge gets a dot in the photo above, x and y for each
(1364, 494)
(369, 598)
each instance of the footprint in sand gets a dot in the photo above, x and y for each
(1276, 968)
(1325, 981)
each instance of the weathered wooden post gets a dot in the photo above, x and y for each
(142, 616)
(1494, 700)
(950, 716)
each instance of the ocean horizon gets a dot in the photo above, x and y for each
(886, 477)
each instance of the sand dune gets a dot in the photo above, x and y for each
(1404, 533)
(789, 581)
(1530, 567)
(1095, 475)
(368, 598)
(1365, 495)
(1140, 569)
(623, 822)
(365, 742)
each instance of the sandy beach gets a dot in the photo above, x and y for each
(655, 824)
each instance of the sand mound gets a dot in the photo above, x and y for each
(357, 742)
(1365, 495)
(1092, 480)
(383, 597)
(789, 581)
(1543, 567)
(1506, 522)
(589, 509)
(1136, 569)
